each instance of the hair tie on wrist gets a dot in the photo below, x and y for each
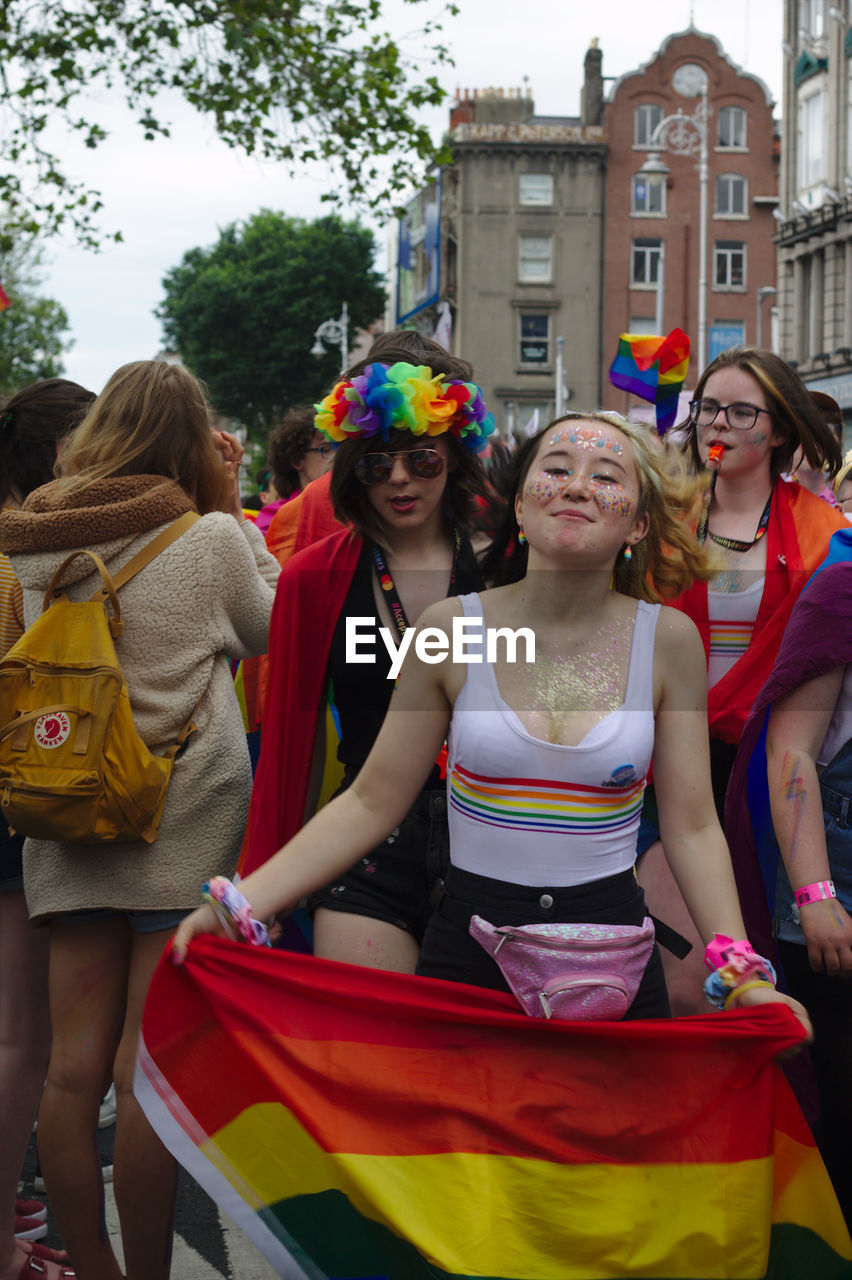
(746, 986)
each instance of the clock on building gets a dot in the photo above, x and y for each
(689, 80)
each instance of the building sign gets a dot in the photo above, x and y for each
(418, 274)
(723, 336)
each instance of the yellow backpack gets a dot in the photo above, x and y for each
(72, 765)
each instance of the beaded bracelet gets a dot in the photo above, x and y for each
(819, 891)
(733, 964)
(233, 909)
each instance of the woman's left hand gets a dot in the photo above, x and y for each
(231, 452)
(768, 995)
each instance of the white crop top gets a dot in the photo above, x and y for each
(540, 813)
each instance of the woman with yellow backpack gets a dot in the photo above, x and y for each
(144, 457)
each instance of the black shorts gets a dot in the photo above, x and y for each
(450, 952)
(395, 882)
(11, 866)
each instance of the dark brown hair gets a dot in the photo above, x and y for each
(288, 444)
(32, 424)
(151, 418)
(466, 479)
(795, 417)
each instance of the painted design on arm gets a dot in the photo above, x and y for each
(793, 789)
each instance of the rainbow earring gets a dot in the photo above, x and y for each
(628, 553)
(522, 537)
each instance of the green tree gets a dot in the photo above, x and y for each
(294, 82)
(243, 313)
(32, 328)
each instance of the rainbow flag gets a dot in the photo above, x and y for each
(5, 300)
(654, 368)
(372, 1126)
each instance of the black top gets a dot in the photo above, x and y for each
(362, 691)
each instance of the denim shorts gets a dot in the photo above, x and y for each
(139, 921)
(396, 880)
(449, 952)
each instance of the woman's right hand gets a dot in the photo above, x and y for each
(204, 920)
(828, 934)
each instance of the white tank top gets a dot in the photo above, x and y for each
(540, 813)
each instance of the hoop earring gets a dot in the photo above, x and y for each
(628, 553)
(522, 537)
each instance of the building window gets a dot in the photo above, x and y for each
(729, 262)
(645, 120)
(535, 339)
(536, 188)
(731, 195)
(535, 265)
(811, 139)
(645, 262)
(812, 17)
(648, 193)
(732, 127)
(721, 337)
(643, 324)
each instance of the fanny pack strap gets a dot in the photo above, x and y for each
(459, 913)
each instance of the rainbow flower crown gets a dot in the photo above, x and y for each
(404, 397)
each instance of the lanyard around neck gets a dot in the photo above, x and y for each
(388, 585)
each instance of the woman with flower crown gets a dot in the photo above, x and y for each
(407, 427)
(548, 757)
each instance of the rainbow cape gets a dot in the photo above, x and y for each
(361, 1125)
(653, 368)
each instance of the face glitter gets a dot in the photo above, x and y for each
(584, 438)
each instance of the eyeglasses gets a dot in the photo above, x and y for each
(376, 468)
(739, 416)
(325, 451)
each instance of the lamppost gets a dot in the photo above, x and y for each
(765, 291)
(684, 135)
(337, 333)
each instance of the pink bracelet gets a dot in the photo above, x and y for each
(816, 892)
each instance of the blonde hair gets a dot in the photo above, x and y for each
(152, 418)
(668, 559)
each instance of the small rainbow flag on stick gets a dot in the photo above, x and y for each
(654, 368)
(5, 300)
(361, 1125)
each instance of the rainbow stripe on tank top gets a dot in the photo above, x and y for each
(730, 639)
(536, 804)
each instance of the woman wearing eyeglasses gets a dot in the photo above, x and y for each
(297, 454)
(404, 481)
(750, 414)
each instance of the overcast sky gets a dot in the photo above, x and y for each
(171, 196)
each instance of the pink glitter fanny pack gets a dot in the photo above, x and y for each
(571, 971)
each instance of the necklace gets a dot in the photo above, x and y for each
(735, 544)
(388, 585)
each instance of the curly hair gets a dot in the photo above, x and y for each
(32, 424)
(288, 444)
(795, 416)
(666, 561)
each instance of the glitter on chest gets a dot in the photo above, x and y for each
(594, 679)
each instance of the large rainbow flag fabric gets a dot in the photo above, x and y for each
(372, 1126)
(653, 367)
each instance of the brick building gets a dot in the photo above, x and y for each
(653, 213)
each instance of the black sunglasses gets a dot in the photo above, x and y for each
(376, 468)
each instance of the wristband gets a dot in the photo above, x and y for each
(816, 892)
(233, 909)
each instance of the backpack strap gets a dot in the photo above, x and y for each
(152, 549)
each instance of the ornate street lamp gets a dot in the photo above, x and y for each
(335, 332)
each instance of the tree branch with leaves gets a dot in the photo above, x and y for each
(294, 82)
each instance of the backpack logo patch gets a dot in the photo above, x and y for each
(52, 730)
